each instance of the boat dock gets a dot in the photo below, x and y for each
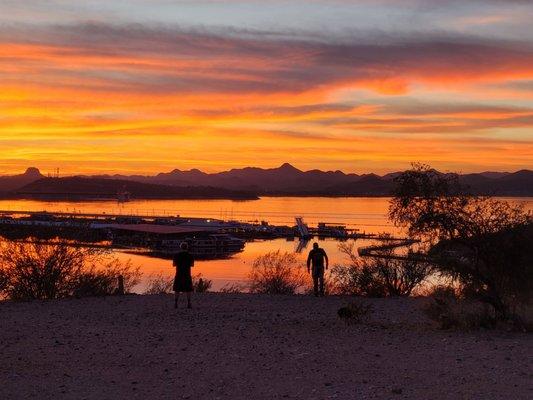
(175, 224)
(163, 234)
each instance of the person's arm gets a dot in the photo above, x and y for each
(308, 262)
(327, 260)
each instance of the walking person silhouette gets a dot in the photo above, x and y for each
(183, 261)
(315, 260)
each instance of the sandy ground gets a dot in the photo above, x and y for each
(239, 346)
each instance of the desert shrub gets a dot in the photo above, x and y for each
(161, 284)
(441, 291)
(158, 284)
(379, 276)
(200, 284)
(357, 280)
(276, 273)
(354, 312)
(482, 243)
(451, 312)
(455, 307)
(3, 285)
(111, 269)
(233, 288)
(401, 276)
(59, 269)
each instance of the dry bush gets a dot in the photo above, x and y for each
(105, 272)
(233, 288)
(378, 276)
(453, 312)
(59, 269)
(200, 284)
(162, 284)
(159, 284)
(454, 307)
(355, 312)
(277, 273)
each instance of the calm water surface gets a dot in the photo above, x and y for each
(366, 214)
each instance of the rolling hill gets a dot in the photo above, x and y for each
(98, 188)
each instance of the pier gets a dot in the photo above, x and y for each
(176, 224)
(162, 235)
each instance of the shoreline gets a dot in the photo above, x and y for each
(91, 199)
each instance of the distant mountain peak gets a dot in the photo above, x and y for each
(32, 171)
(288, 167)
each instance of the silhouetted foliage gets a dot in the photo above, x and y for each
(200, 284)
(453, 311)
(233, 288)
(355, 312)
(378, 276)
(58, 269)
(162, 284)
(3, 283)
(158, 284)
(276, 273)
(484, 244)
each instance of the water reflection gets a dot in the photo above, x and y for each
(235, 269)
(366, 214)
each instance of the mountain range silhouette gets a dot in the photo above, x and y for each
(250, 181)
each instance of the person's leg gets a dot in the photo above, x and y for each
(321, 280)
(176, 298)
(315, 284)
(189, 300)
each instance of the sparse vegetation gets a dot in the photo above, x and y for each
(200, 284)
(277, 273)
(59, 269)
(158, 284)
(376, 276)
(451, 311)
(233, 288)
(162, 284)
(355, 312)
(481, 243)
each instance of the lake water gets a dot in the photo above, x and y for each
(366, 214)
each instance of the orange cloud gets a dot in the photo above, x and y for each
(132, 99)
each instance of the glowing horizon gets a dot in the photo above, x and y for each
(358, 86)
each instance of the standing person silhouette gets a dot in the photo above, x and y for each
(183, 261)
(315, 260)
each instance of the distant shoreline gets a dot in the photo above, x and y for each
(97, 198)
(103, 198)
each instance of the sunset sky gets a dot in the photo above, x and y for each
(143, 86)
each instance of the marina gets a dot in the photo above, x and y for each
(362, 216)
(162, 235)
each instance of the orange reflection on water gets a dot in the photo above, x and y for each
(366, 214)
